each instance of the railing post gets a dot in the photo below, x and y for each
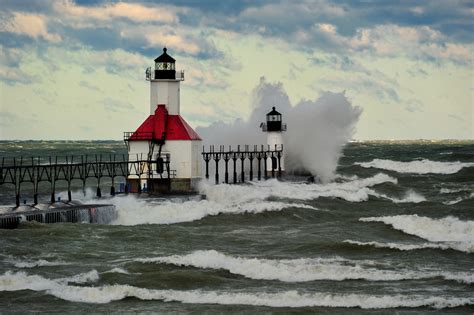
(226, 160)
(234, 159)
(217, 158)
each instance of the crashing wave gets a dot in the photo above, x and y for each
(448, 231)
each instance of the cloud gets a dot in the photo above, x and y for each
(89, 86)
(117, 106)
(133, 11)
(414, 105)
(31, 25)
(10, 66)
(419, 42)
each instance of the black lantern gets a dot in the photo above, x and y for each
(274, 121)
(165, 66)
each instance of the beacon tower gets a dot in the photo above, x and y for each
(274, 128)
(165, 140)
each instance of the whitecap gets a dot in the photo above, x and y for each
(417, 167)
(117, 270)
(108, 293)
(37, 263)
(450, 231)
(297, 270)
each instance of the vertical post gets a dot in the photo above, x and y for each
(216, 158)
(234, 159)
(98, 174)
(279, 164)
(69, 175)
(273, 169)
(112, 188)
(168, 171)
(53, 180)
(84, 175)
(207, 165)
(265, 158)
(242, 170)
(226, 160)
(35, 181)
(259, 160)
(17, 183)
(251, 165)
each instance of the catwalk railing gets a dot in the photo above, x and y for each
(261, 154)
(16, 171)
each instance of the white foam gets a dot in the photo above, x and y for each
(454, 190)
(298, 270)
(417, 167)
(238, 199)
(105, 294)
(458, 200)
(356, 190)
(451, 231)
(37, 263)
(117, 270)
(453, 202)
(400, 246)
(91, 276)
(410, 197)
(132, 211)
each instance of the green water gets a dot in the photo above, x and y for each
(284, 247)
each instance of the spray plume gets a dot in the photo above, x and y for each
(317, 130)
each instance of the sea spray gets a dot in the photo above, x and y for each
(253, 197)
(317, 130)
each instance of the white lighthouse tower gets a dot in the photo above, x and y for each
(165, 136)
(274, 128)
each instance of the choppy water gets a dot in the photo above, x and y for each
(393, 232)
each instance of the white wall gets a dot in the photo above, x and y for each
(275, 138)
(185, 156)
(197, 159)
(165, 92)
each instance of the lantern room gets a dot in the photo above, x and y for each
(165, 67)
(274, 121)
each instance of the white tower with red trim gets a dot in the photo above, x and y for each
(165, 138)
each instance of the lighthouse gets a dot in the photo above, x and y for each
(167, 145)
(274, 128)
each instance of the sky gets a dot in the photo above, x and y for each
(76, 69)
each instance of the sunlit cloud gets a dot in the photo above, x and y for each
(132, 11)
(31, 25)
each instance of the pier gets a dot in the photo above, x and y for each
(34, 170)
(262, 154)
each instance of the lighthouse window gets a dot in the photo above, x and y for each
(164, 66)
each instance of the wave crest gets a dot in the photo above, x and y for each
(417, 167)
(105, 294)
(449, 231)
(298, 270)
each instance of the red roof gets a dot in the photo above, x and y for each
(165, 127)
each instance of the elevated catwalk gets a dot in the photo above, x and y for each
(72, 212)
